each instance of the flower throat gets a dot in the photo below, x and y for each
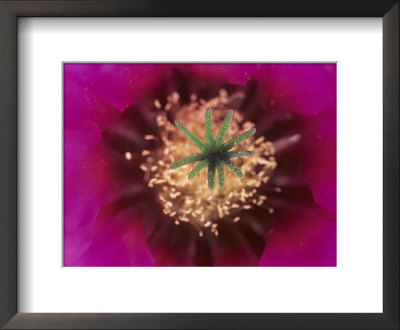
(186, 197)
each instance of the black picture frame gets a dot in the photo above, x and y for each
(10, 11)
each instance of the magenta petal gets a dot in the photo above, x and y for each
(121, 243)
(84, 107)
(319, 167)
(301, 88)
(230, 73)
(119, 84)
(87, 173)
(304, 240)
(309, 90)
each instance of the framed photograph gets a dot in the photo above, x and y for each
(175, 164)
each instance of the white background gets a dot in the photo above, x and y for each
(355, 285)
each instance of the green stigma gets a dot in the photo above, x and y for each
(215, 153)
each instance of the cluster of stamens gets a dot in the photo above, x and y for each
(192, 201)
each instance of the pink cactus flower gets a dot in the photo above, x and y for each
(125, 206)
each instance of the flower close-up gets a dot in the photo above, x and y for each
(199, 164)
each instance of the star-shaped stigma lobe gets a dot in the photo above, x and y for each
(215, 153)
